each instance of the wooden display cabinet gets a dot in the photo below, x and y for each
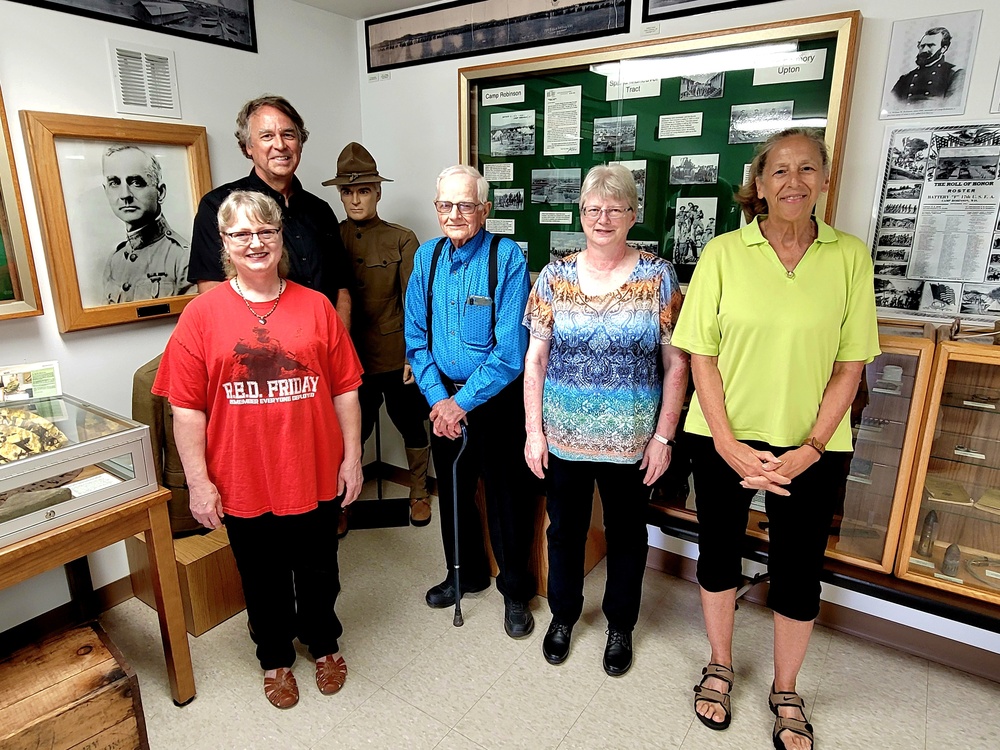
(867, 527)
(951, 535)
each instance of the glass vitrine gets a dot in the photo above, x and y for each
(886, 425)
(62, 459)
(951, 536)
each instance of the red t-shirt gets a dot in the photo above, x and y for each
(273, 439)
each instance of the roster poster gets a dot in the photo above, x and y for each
(936, 231)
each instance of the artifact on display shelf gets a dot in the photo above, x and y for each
(936, 235)
(62, 459)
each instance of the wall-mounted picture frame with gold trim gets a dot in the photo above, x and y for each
(116, 201)
(18, 283)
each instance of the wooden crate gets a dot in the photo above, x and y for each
(211, 589)
(70, 692)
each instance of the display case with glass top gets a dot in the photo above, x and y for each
(886, 425)
(62, 459)
(951, 537)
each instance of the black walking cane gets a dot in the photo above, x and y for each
(459, 620)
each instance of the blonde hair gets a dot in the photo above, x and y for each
(610, 181)
(257, 206)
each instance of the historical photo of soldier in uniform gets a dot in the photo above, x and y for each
(118, 198)
(928, 67)
(694, 226)
(508, 199)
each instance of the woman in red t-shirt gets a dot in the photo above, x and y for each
(262, 378)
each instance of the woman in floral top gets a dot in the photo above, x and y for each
(603, 390)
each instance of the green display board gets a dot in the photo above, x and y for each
(687, 171)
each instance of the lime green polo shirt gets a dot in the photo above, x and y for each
(777, 335)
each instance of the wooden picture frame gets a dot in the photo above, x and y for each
(84, 238)
(464, 28)
(18, 284)
(672, 104)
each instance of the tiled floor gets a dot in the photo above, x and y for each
(417, 682)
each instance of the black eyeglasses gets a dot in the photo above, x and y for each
(465, 208)
(244, 238)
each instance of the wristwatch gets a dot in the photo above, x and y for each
(815, 445)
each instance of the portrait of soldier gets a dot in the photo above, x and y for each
(934, 80)
(152, 261)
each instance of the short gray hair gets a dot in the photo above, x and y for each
(610, 181)
(482, 184)
(154, 171)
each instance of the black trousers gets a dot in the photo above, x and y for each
(291, 580)
(798, 526)
(624, 499)
(404, 403)
(495, 452)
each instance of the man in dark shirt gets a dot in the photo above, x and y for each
(271, 133)
(933, 80)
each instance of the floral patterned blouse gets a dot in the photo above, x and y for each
(604, 380)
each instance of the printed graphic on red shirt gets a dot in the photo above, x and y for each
(266, 373)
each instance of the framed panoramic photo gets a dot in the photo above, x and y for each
(654, 10)
(116, 200)
(226, 22)
(18, 283)
(475, 27)
(684, 114)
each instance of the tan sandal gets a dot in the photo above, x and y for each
(331, 674)
(282, 690)
(786, 724)
(702, 693)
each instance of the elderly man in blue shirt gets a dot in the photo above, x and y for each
(466, 345)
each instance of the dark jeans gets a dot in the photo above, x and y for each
(624, 499)
(798, 527)
(495, 452)
(404, 403)
(291, 581)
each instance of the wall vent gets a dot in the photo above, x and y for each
(145, 80)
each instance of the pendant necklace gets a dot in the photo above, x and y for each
(262, 319)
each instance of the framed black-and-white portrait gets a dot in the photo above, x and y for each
(929, 65)
(116, 200)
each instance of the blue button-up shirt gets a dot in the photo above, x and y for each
(462, 338)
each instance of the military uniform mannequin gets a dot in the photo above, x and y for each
(382, 257)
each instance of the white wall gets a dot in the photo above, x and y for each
(422, 138)
(57, 62)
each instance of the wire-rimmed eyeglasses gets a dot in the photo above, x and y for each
(245, 238)
(593, 212)
(465, 208)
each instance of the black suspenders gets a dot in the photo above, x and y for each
(494, 246)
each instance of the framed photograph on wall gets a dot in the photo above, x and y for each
(18, 283)
(228, 22)
(116, 201)
(654, 10)
(475, 27)
(930, 65)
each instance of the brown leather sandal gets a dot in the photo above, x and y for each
(331, 674)
(785, 724)
(282, 690)
(702, 693)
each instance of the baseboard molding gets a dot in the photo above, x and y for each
(64, 616)
(928, 646)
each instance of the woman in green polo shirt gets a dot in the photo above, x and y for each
(779, 320)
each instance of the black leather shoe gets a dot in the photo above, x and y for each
(555, 645)
(443, 595)
(618, 653)
(517, 619)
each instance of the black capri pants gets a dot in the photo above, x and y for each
(798, 526)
